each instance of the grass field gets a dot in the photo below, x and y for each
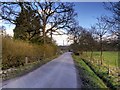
(109, 57)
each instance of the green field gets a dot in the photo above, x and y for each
(109, 57)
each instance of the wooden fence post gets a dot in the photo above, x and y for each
(26, 60)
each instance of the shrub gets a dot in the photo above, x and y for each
(15, 51)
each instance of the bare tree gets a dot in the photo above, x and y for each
(82, 38)
(101, 28)
(91, 42)
(56, 15)
(114, 7)
(9, 11)
(74, 34)
(53, 15)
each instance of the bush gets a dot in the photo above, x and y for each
(76, 53)
(15, 51)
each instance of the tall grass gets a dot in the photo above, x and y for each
(15, 51)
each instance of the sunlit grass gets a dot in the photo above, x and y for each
(109, 57)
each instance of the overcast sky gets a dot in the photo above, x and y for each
(87, 14)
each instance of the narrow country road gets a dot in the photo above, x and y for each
(58, 73)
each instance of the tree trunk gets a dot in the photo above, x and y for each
(51, 36)
(118, 51)
(44, 36)
(91, 57)
(101, 51)
(108, 68)
(44, 42)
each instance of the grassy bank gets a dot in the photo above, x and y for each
(108, 71)
(88, 77)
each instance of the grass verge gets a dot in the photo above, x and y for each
(108, 71)
(100, 71)
(89, 78)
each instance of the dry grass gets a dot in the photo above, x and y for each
(15, 51)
